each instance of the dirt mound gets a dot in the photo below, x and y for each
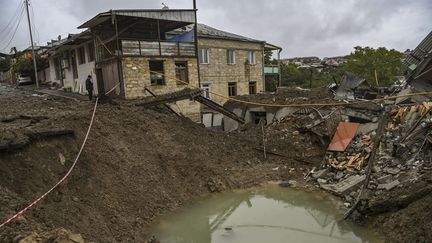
(137, 164)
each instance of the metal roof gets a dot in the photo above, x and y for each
(419, 53)
(178, 15)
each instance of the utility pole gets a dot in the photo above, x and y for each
(32, 44)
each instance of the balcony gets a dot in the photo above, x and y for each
(271, 70)
(157, 48)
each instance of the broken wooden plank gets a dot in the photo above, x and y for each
(167, 106)
(184, 94)
(215, 106)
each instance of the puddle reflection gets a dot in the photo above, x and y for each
(267, 214)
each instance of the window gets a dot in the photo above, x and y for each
(181, 70)
(252, 87)
(232, 89)
(230, 56)
(258, 117)
(157, 73)
(203, 56)
(251, 57)
(74, 64)
(57, 68)
(81, 55)
(91, 52)
(207, 90)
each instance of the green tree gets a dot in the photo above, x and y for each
(25, 65)
(365, 60)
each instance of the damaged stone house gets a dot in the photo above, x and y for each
(146, 50)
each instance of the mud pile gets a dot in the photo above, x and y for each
(138, 164)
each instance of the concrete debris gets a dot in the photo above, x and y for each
(388, 186)
(403, 155)
(348, 185)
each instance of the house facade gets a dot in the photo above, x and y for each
(70, 61)
(229, 65)
(142, 52)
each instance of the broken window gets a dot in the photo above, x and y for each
(258, 116)
(251, 57)
(207, 90)
(232, 89)
(91, 52)
(203, 56)
(81, 55)
(157, 73)
(252, 87)
(181, 70)
(230, 56)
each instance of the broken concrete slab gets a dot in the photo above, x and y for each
(384, 179)
(389, 186)
(349, 184)
(320, 173)
(393, 171)
(366, 128)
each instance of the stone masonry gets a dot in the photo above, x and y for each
(136, 76)
(218, 73)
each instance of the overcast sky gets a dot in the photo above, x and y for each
(301, 27)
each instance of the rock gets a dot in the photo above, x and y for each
(376, 169)
(76, 238)
(32, 238)
(62, 159)
(392, 171)
(389, 186)
(321, 181)
(384, 179)
(320, 173)
(75, 199)
(339, 175)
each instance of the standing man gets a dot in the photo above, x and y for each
(89, 86)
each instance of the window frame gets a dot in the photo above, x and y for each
(253, 84)
(252, 57)
(230, 86)
(177, 71)
(207, 90)
(91, 52)
(229, 61)
(153, 81)
(81, 55)
(204, 55)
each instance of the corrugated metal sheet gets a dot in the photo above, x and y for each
(418, 54)
(344, 134)
(187, 16)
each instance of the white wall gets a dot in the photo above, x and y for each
(78, 84)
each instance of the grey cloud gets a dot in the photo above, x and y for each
(301, 27)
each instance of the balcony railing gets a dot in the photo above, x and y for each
(157, 48)
(271, 70)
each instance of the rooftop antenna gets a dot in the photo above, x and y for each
(165, 7)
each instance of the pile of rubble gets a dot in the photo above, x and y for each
(403, 154)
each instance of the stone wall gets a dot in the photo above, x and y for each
(136, 76)
(218, 73)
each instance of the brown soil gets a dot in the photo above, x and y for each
(138, 164)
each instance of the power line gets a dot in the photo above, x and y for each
(14, 32)
(33, 23)
(13, 17)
